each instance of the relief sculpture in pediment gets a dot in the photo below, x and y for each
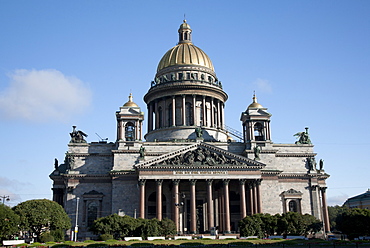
(198, 157)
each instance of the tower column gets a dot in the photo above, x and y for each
(255, 200)
(258, 195)
(250, 198)
(212, 124)
(210, 204)
(173, 111)
(204, 111)
(193, 207)
(243, 206)
(142, 198)
(227, 205)
(222, 116)
(150, 116)
(195, 119)
(159, 198)
(183, 110)
(176, 203)
(156, 114)
(218, 114)
(325, 209)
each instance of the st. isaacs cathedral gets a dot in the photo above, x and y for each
(188, 167)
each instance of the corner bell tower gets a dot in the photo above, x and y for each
(256, 125)
(129, 122)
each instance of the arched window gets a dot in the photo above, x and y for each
(189, 120)
(92, 213)
(258, 134)
(293, 206)
(130, 132)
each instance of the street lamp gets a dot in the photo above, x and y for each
(5, 197)
(179, 205)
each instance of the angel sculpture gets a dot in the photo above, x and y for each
(303, 137)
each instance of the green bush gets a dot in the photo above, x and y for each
(58, 235)
(46, 237)
(22, 245)
(142, 244)
(89, 241)
(240, 243)
(192, 244)
(105, 237)
(97, 245)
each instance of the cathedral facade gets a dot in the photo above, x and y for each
(187, 167)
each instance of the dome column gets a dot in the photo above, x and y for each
(212, 124)
(195, 119)
(183, 110)
(150, 116)
(218, 115)
(173, 111)
(204, 112)
(156, 114)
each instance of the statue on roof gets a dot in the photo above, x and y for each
(199, 132)
(303, 137)
(321, 164)
(142, 151)
(257, 151)
(77, 136)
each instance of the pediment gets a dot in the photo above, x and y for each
(200, 155)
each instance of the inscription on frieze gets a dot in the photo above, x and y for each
(200, 172)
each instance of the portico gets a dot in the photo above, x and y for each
(200, 196)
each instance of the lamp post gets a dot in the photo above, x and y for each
(76, 224)
(179, 205)
(5, 197)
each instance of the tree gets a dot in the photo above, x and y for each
(118, 226)
(251, 226)
(354, 222)
(293, 223)
(38, 216)
(168, 227)
(9, 222)
(334, 212)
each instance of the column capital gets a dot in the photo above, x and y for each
(193, 181)
(225, 181)
(323, 189)
(175, 181)
(141, 182)
(159, 181)
(209, 181)
(242, 181)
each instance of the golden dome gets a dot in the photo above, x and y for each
(130, 103)
(255, 104)
(185, 53)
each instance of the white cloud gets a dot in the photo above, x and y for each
(43, 95)
(262, 85)
(337, 200)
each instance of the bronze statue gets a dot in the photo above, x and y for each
(142, 151)
(311, 163)
(56, 164)
(257, 151)
(303, 137)
(77, 136)
(199, 132)
(321, 164)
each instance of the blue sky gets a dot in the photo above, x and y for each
(65, 63)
